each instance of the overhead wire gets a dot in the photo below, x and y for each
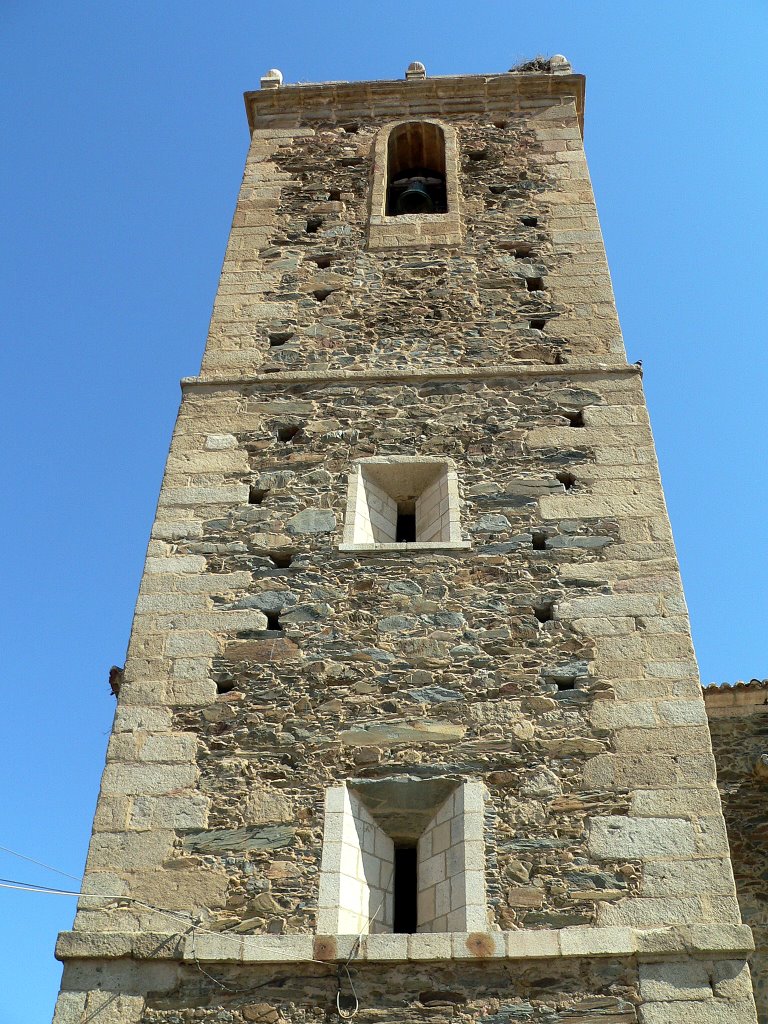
(194, 923)
(47, 890)
(39, 863)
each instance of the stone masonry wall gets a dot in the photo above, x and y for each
(299, 290)
(389, 662)
(549, 660)
(739, 729)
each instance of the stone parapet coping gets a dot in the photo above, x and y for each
(395, 373)
(444, 94)
(673, 942)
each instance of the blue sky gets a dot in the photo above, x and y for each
(122, 153)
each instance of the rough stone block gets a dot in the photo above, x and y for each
(126, 851)
(175, 564)
(671, 803)
(429, 946)
(532, 944)
(719, 938)
(668, 981)
(169, 812)
(731, 979)
(277, 948)
(697, 1012)
(589, 942)
(615, 837)
(687, 878)
(207, 947)
(70, 1008)
(651, 913)
(147, 779)
(167, 747)
(385, 947)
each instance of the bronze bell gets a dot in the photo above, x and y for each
(415, 198)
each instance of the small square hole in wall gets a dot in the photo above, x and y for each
(313, 225)
(256, 495)
(225, 686)
(544, 612)
(575, 417)
(537, 325)
(565, 683)
(566, 478)
(273, 622)
(281, 559)
(321, 294)
(278, 338)
(529, 222)
(534, 284)
(538, 540)
(334, 195)
(288, 433)
(323, 260)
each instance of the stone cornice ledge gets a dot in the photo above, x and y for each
(395, 374)
(441, 94)
(712, 940)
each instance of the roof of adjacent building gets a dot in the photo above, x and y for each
(753, 684)
(734, 700)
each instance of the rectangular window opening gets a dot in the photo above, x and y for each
(405, 891)
(537, 325)
(530, 222)
(256, 495)
(403, 856)
(538, 540)
(406, 522)
(566, 684)
(534, 284)
(402, 500)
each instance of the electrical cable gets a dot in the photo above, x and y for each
(194, 926)
(39, 863)
(344, 1014)
(46, 890)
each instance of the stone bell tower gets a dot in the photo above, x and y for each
(410, 726)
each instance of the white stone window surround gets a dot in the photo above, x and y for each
(414, 229)
(357, 870)
(375, 486)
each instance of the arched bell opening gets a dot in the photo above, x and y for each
(416, 169)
